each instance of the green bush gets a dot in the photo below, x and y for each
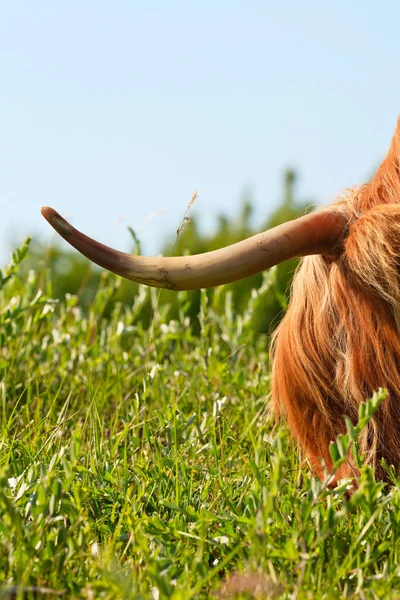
(141, 462)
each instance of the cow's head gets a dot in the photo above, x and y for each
(339, 340)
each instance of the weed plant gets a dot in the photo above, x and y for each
(149, 468)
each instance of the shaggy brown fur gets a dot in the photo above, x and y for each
(339, 340)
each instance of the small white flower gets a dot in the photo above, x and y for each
(12, 482)
(155, 593)
(48, 308)
(95, 550)
(153, 371)
(218, 404)
(222, 539)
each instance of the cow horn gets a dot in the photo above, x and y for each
(315, 233)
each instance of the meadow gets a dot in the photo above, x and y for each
(142, 462)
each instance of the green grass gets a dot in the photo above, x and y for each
(145, 471)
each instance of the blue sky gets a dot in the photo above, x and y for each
(113, 111)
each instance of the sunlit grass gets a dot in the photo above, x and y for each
(137, 470)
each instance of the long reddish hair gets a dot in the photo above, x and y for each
(339, 340)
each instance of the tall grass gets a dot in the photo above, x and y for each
(151, 471)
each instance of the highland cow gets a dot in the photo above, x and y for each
(339, 340)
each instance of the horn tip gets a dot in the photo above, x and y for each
(48, 212)
(56, 220)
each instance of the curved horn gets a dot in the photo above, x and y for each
(316, 233)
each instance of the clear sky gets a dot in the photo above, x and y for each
(113, 111)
